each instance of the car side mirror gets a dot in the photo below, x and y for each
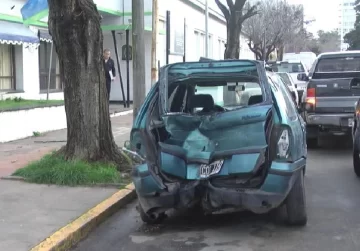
(302, 77)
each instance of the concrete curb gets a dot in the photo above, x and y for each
(117, 114)
(65, 238)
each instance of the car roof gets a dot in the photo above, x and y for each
(339, 54)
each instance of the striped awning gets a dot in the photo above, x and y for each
(17, 34)
(45, 36)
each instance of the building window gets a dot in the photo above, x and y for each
(44, 64)
(200, 44)
(7, 67)
(221, 48)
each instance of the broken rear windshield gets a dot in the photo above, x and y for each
(215, 86)
(339, 64)
(209, 95)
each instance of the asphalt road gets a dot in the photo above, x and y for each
(333, 203)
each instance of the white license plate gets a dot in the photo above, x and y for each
(350, 122)
(208, 170)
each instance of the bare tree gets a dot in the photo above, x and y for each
(277, 24)
(77, 36)
(236, 12)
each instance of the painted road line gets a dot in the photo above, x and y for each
(65, 238)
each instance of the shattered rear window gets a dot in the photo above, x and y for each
(208, 87)
(198, 96)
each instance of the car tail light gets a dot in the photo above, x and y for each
(281, 143)
(310, 99)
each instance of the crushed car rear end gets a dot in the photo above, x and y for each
(202, 146)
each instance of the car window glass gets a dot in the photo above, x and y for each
(284, 99)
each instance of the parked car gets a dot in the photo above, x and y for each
(294, 68)
(287, 79)
(208, 150)
(328, 106)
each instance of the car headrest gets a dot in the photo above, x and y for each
(205, 101)
(256, 99)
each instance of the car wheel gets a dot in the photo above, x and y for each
(150, 218)
(296, 203)
(312, 142)
(356, 158)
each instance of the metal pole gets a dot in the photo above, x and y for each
(155, 32)
(118, 66)
(138, 41)
(167, 36)
(49, 76)
(206, 29)
(184, 57)
(127, 69)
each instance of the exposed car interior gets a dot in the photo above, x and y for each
(201, 98)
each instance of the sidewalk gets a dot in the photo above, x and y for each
(29, 212)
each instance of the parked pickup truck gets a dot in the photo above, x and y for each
(328, 103)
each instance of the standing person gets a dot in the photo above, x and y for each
(109, 67)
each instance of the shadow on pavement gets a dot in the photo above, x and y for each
(262, 225)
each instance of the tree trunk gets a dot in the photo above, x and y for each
(77, 36)
(280, 53)
(232, 50)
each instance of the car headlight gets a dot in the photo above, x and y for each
(283, 144)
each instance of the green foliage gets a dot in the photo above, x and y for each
(20, 103)
(353, 37)
(54, 169)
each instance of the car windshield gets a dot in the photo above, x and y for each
(287, 67)
(340, 64)
(285, 77)
(209, 95)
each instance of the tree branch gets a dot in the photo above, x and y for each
(223, 9)
(230, 4)
(239, 4)
(252, 11)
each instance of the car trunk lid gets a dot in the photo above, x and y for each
(239, 135)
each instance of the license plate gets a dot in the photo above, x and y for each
(208, 170)
(350, 122)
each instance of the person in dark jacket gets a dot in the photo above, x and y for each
(109, 67)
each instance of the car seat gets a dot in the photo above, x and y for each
(204, 101)
(256, 99)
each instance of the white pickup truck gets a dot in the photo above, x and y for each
(294, 68)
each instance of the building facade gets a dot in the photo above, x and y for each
(26, 46)
(347, 18)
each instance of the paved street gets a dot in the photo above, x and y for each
(333, 209)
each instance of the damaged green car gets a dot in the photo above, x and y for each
(219, 135)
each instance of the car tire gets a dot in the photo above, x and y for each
(150, 219)
(296, 203)
(312, 142)
(356, 158)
